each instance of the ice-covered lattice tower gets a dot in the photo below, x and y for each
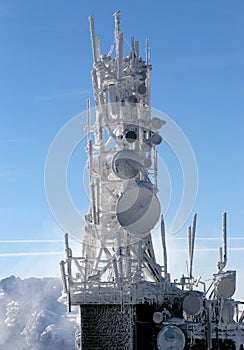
(123, 168)
(118, 269)
(126, 299)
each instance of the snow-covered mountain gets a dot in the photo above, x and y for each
(32, 318)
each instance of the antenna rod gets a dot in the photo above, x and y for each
(93, 199)
(193, 233)
(164, 247)
(189, 247)
(137, 49)
(68, 251)
(119, 44)
(98, 47)
(147, 51)
(93, 38)
(117, 22)
(224, 231)
(132, 46)
(98, 200)
(220, 264)
(119, 55)
(88, 119)
(62, 268)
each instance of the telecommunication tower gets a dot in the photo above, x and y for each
(126, 299)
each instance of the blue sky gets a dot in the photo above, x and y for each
(197, 79)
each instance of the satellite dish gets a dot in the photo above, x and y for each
(171, 338)
(225, 284)
(138, 209)
(157, 123)
(142, 89)
(126, 164)
(192, 303)
(131, 136)
(158, 317)
(156, 139)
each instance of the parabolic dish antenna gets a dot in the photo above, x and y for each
(225, 284)
(158, 317)
(126, 164)
(226, 288)
(192, 303)
(171, 338)
(138, 209)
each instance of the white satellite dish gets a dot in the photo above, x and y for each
(192, 303)
(225, 284)
(157, 123)
(158, 317)
(138, 209)
(171, 338)
(127, 164)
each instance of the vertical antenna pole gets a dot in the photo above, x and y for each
(117, 23)
(148, 83)
(90, 156)
(63, 275)
(119, 255)
(88, 120)
(164, 248)
(191, 242)
(155, 161)
(220, 263)
(98, 47)
(128, 260)
(90, 163)
(116, 273)
(68, 251)
(193, 233)
(119, 44)
(139, 254)
(98, 200)
(147, 51)
(137, 49)
(93, 38)
(224, 231)
(189, 247)
(94, 213)
(119, 55)
(132, 46)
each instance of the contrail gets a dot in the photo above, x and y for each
(207, 238)
(31, 241)
(207, 249)
(61, 253)
(30, 254)
(169, 239)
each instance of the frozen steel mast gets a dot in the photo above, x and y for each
(126, 298)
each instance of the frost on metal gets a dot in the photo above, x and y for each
(126, 299)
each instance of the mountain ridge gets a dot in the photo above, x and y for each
(32, 316)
